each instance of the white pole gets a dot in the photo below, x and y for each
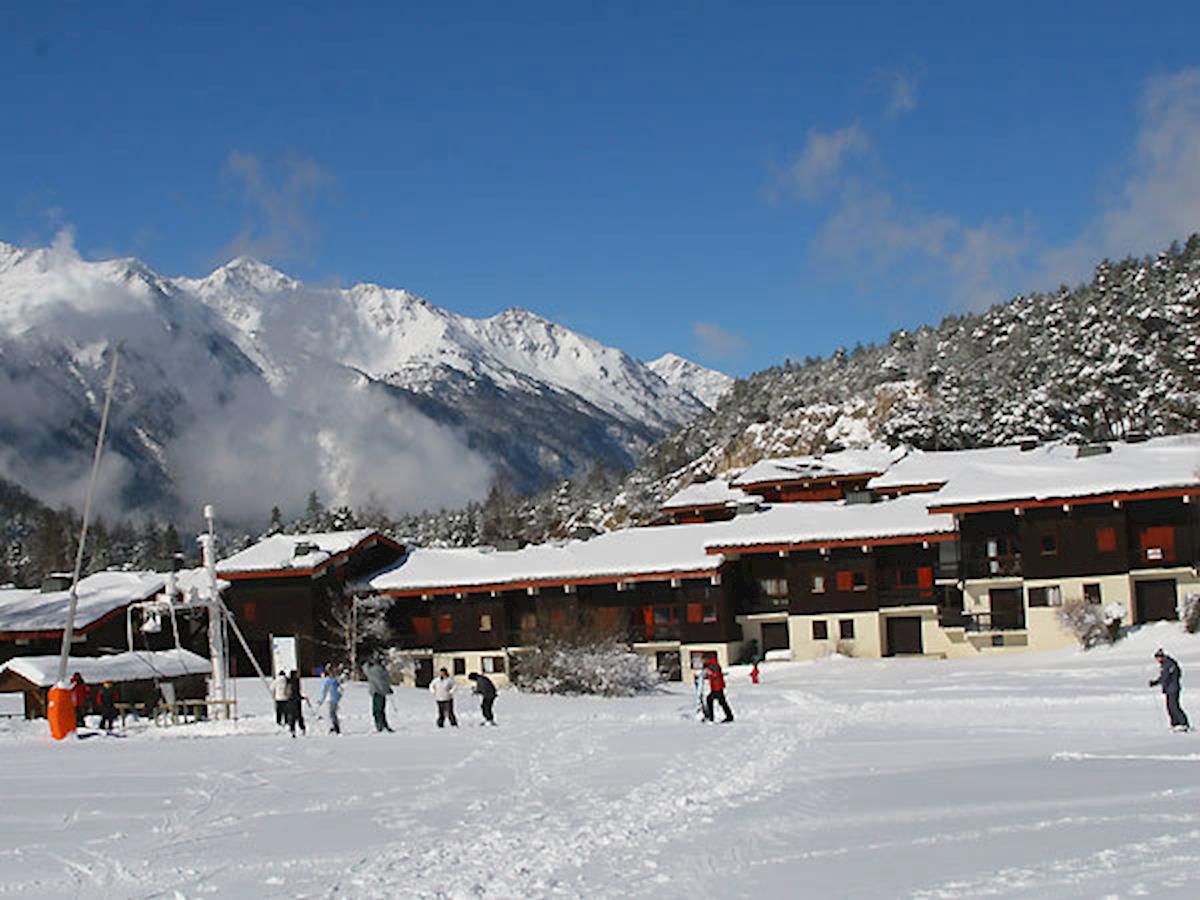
(73, 605)
(216, 630)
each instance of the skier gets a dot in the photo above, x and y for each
(442, 689)
(294, 712)
(331, 688)
(79, 697)
(1169, 675)
(279, 690)
(379, 683)
(107, 698)
(487, 695)
(716, 691)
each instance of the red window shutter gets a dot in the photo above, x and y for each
(1106, 539)
(250, 611)
(1157, 543)
(445, 623)
(845, 581)
(558, 619)
(607, 617)
(695, 613)
(925, 577)
(423, 626)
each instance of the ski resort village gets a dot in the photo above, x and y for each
(897, 635)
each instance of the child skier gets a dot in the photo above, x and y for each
(331, 688)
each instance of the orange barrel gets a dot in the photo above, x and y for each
(60, 710)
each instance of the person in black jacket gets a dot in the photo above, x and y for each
(487, 695)
(107, 699)
(294, 712)
(1169, 675)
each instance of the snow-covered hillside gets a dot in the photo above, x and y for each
(364, 391)
(1032, 775)
(706, 384)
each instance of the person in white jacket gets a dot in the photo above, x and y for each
(281, 691)
(442, 689)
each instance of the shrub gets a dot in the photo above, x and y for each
(601, 666)
(1189, 612)
(1090, 624)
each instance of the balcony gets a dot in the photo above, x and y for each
(1005, 566)
(1000, 620)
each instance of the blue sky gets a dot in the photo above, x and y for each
(736, 182)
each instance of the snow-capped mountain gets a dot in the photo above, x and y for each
(252, 388)
(706, 385)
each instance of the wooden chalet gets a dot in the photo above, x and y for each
(294, 585)
(712, 500)
(478, 609)
(811, 479)
(32, 621)
(1114, 523)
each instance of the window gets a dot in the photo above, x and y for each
(250, 611)
(1051, 595)
(485, 622)
(1157, 543)
(1091, 593)
(1106, 539)
(529, 621)
(423, 626)
(460, 666)
(773, 587)
(818, 584)
(1003, 554)
(701, 612)
(1049, 544)
(697, 658)
(846, 629)
(860, 581)
(666, 615)
(445, 623)
(820, 630)
(492, 664)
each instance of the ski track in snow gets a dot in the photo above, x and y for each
(1003, 777)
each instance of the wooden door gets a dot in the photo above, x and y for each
(904, 635)
(775, 636)
(1156, 601)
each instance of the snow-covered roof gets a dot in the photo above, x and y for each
(716, 492)
(133, 665)
(834, 522)
(294, 552)
(842, 463)
(925, 467)
(632, 552)
(98, 595)
(1057, 471)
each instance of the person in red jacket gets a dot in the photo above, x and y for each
(79, 697)
(716, 690)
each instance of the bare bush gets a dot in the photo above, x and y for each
(1090, 624)
(1189, 612)
(601, 666)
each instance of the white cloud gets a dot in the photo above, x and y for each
(977, 263)
(815, 171)
(1159, 200)
(717, 343)
(277, 220)
(902, 93)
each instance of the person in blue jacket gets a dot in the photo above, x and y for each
(331, 689)
(1169, 675)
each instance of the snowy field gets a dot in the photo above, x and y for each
(1042, 775)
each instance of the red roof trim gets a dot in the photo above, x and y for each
(1082, 500)
(808, 479)
(897, 540)
(544, 582)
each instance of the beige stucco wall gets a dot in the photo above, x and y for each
(867, 641)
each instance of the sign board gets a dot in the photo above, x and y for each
(283, 655)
